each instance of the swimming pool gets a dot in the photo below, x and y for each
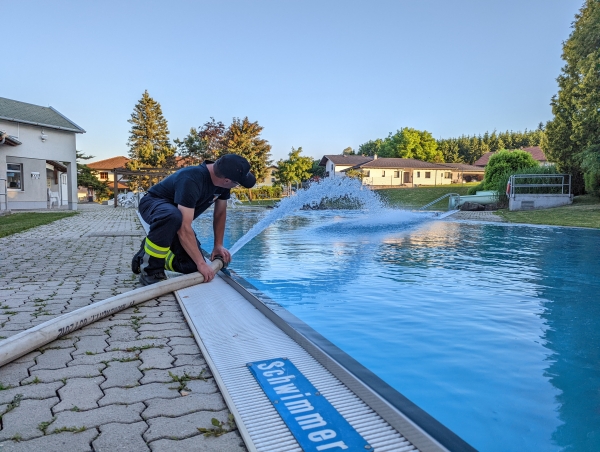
(491, 329)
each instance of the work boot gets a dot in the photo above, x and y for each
(146, 280)
(136, 262)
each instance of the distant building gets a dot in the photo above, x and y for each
(535, 151)
(390, 172)
(38, 158)
(269, 179)
(336, 164)
(105, 172)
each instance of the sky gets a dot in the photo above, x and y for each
(321, 75)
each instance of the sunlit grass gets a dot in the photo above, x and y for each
(18, 222)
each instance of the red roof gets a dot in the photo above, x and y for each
(535, 151)
(109, 164)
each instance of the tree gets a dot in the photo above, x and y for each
(86, 177)
(204, 143)
(370, 148)
(316, 170)
(242, 137)
(573, 135)
(411, 144)
(348, 151)
(149, 136)
(294, 169)
(503, 162)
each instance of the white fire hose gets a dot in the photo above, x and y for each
(33, 338)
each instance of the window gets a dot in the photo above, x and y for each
(427, 174)
(14, 176)
(272, 180)
(418, 173)
(103, 175)
(367, 173)
(383, 173)
(448, 175)
(396, 174)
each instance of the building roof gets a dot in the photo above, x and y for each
(464, 167)
(15, 111)
(350, 160)
(109, 164)
(57, 165)
(399, 163)
(535, 151)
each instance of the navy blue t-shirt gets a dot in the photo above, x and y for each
(190, 187)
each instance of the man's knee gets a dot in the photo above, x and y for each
(177, 218)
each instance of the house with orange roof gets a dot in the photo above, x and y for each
(105, 171)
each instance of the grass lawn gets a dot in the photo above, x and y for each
(584, 212)
(416, 197)
(18, 222)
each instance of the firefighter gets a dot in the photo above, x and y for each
(169, 208)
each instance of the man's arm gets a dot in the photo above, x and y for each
(219, 220)
(187, 238)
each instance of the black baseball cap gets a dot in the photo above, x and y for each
(237, 169)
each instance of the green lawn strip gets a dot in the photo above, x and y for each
(416, 197)
(18, 222)
(583, 214)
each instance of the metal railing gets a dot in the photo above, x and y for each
(534, 184)
(438, 199)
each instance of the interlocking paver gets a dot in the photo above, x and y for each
(156, 358)
(122, 374)
(38, 391)
(124, 414)
(183, 426)
(138, 393)
(86, 261)
(53, 359)
(57, 442)
(191, 349)
(92, 344)
(229, 442)
(121, 438)
(23, 420)
(79, 394)
(166, 375)
(184, 405)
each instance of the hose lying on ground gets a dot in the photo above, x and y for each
(33, 338)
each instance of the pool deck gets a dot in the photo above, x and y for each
(105, 387)
(111, 385)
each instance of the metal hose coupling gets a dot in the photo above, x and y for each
(222, 259)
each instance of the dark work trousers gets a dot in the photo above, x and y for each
(162, 247)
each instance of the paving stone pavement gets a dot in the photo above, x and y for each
(135, 381)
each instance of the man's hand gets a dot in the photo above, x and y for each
(220, 250)
(206, 271)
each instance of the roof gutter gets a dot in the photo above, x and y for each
(50, 126)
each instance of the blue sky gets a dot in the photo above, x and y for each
(323, 75)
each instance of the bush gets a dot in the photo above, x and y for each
(265, 192)
(591, 169)
(473, 190)
(503, 162)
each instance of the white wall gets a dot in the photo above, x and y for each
(59, 145)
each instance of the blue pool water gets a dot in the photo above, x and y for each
(492, 329)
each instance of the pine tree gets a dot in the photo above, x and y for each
(149, 144)
(243, 138)
(573, 135)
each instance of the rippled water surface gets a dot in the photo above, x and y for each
(492, 329)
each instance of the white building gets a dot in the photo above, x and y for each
(38, 160)
(397, 172)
